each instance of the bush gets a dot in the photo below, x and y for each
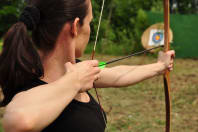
(122, 26)
(9, 12)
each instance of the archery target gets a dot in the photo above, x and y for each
(156, 37)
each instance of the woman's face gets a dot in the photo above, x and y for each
(84, 33)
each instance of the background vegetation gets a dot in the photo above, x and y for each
(122, 25)
(9, 13)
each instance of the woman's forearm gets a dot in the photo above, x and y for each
(40, 106)
(121, 76)
(137, 74)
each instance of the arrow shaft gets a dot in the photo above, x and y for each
(131, 55)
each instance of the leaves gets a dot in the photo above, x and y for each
(122, 26)
(9, 13)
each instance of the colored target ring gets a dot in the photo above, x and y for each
(158, 37)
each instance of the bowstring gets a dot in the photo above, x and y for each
(99, 23)
(93, 54)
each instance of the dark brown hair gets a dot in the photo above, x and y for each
(19, 60)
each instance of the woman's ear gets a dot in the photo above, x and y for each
(75, 26)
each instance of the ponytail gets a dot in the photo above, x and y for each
(19, 61)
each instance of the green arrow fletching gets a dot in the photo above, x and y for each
(102, 65)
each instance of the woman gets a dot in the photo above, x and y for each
(44, 89)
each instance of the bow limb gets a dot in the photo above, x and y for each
(166, 75)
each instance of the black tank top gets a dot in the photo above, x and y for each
(77, 116)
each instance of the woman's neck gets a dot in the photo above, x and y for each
(54, 62)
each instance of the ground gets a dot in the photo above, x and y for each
(141, 108)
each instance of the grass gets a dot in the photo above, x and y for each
(141, 108)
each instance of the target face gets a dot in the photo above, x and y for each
(156, 37)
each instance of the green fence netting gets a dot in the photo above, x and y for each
(185, 33)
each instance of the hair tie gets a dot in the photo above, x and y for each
(30, 17)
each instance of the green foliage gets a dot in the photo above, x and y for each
(187, 6)
(124, 22)
(0, 45)
(157, 6)
(122, 26)
(1, 128)
(9, 12)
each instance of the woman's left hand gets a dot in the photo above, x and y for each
(167, 59)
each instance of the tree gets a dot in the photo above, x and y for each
(184, 6)
(9, 12)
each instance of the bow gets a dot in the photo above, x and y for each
(92, 57)
(166, 48)
(166, 75)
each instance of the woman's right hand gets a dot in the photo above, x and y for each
(85, 73)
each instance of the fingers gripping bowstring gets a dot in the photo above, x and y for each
(93, 54)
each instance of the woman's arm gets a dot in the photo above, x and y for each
(121, 76)
(35, 109)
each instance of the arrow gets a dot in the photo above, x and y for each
(103, 64)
